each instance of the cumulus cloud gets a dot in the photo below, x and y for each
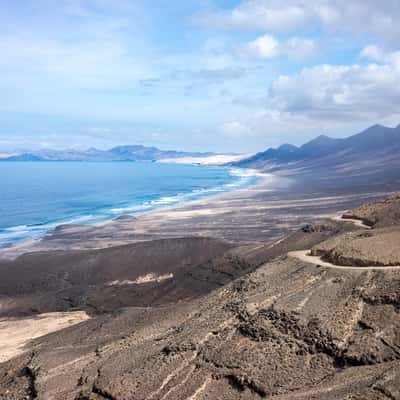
(134, 61)
(268, 47)
(263, 47)
(356, 16)
(322, 94)
(331, 92)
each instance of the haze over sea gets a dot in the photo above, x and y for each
(35, 197)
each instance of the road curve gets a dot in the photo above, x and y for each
(356, 222)
(304, 255)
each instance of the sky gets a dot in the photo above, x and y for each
(196, 75)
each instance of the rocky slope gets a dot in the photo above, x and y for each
(378, 247)
(103, 280)
(278, 329)
(378, 214)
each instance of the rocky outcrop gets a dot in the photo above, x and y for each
(377, 247)
(379, 214)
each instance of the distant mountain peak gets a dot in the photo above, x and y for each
(375, 142)
(321, 139)
(287, 147)
(376, 126)
(118, 153)
(320, 145)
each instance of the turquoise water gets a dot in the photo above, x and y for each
(35, 197)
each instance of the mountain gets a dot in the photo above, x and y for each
(120, 153)
(22, 157)
(375, 148)
(144, 153)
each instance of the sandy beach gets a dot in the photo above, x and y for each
(219, 159)
(260, 213)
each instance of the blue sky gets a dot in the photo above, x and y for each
(195, 75)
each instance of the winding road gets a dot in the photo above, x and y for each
(356, 222)
(305, 256)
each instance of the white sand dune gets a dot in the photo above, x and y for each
(218, 159)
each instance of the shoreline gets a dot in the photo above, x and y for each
(262, 180)
(260, 213)
(40, 231)
(21, 247)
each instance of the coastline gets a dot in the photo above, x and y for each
(163, 305)
(261, 213)
(135, 211)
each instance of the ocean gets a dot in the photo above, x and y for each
(35, 197)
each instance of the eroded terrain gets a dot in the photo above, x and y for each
(238, 322)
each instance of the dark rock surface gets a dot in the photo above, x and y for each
(278, 329)
(96, 280)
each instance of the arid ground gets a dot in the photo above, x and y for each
(263, 293)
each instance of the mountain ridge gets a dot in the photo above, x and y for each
(117, 153)
(375, 144)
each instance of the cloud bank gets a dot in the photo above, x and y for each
(239, 76)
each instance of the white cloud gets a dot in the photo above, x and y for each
(268, 47)
(330, 92)
(256, 14)
(379, 55)
(357, 16)
(263, 47)
(372, 52)
(125, 60)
